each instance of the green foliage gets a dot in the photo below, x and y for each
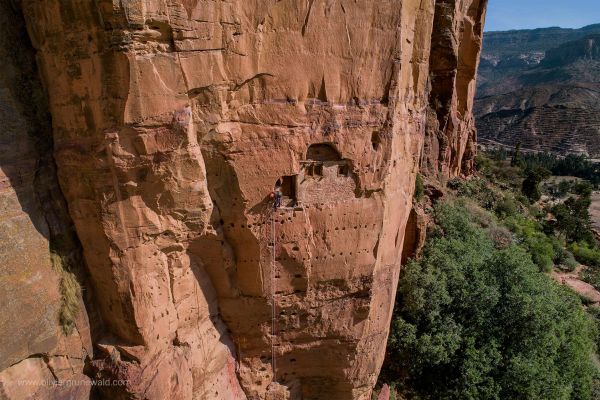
(586, 254)
(578, 166)
(476, 189)
(592, 276)
(541, 247)
(569, 262)
(496, 170)
(571, 165)
(507, 207)
(516, 157)
(476, 322)
(594, 311)
(564, 187)
(531, 184)
(499, 154)
(483, 164)
(583, 189)
(419, 188)
(468, 188)
(564, 258)
(573, 219)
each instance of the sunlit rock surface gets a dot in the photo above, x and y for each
(174, 121)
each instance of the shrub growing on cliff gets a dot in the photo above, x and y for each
(474, 321)
(476, 189)
(419, 188)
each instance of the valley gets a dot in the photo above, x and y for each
(541, 88)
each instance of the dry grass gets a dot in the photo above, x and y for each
(70, 292)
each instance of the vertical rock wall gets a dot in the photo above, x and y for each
(450, 142)
(174, 120)
(44, 331)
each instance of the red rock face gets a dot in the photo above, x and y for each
(39, 255)
(450, 144)
(173, 123)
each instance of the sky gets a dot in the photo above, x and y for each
(526, 14)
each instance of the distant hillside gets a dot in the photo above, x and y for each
(541, 87)
(528, 40)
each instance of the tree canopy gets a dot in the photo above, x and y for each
(474, 321)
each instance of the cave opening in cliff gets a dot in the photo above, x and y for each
(288, 190)
(376, 140)
(322, 152)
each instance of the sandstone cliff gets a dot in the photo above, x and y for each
(173, 121)
(450, 142)
(45, 334)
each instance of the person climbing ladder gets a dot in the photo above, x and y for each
(278, 195)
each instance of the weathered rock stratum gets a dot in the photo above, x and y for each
(172, 123)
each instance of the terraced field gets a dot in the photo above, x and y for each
(557, 129)
(547, 102)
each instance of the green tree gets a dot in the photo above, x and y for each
(476, 322)
(531, 184)
(563, 188)
(515, 160)
(573, 219)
